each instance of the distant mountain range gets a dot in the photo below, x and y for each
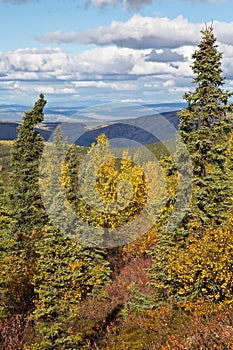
(8, 130)
(139, 124)
(142, 130)
(94, 113)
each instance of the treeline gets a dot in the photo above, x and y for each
(81, 268)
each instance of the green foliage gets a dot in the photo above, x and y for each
(28, 217)
(66, 275)
(5, 214)
(53, 195)
(58, 288)
(5, 242)
(5, 150)
(27, 207)
(205, 126)
(18, 266)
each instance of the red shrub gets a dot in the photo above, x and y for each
(15, 332)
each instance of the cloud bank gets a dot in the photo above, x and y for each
(144, 58)
(143, 32)
(138, 33)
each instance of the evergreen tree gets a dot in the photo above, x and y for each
(52, 193)
(27, 207)
(28, 214)
(66, 275)
(205, 126)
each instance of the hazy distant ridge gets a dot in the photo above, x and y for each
(133, 129)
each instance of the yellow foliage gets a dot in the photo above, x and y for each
(203, 268)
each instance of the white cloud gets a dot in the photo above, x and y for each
(55, 63)
(138, 33)
(53, 89)
(223, 32)
(104, 2)
(56, 72)
(110, 60)
(34, 60)
(169, 83)
(103, 69)
(105, 85)
(153, 58)
(141, 32)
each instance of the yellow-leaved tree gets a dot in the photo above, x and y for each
(106, 193)
(203, 268)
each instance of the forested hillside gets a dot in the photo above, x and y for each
(99, 251)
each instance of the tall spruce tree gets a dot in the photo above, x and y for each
(28, 218)
(205, 126)
(27, 206)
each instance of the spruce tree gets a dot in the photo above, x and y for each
(28, 218)
(205, 126)
(67, 274)
(53, 195)
(27, 206)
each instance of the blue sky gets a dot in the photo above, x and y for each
(103, 51)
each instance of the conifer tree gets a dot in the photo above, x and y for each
(27, 206)
(28, 214)
(66, 275)
(205, 126)
(52, 193)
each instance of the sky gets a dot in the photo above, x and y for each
(86, 52)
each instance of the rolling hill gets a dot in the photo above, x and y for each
(144, 130)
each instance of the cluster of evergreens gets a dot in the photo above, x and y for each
(170, 288)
